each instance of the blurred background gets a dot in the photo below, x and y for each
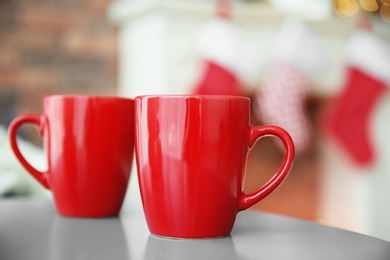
(318, 68)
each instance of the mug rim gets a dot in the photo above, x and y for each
(183, 96)
(82, 96)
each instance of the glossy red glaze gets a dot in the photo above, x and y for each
(89, 142)
(191, 154)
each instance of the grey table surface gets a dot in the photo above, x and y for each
(30, 229)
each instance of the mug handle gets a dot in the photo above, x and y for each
(39, 120)
(257, 132)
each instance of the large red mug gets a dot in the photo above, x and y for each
(191, 154)
(89, 142)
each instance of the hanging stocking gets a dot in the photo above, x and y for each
(367, 75)
(229, 57)
(281, 99)
(281, 102)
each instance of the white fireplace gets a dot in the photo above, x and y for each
(158, 56)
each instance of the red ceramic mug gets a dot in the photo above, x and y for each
(89, 142)
(191, 154)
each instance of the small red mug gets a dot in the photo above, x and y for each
(89, 143)
(191, 154)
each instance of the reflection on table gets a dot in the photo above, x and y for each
(31, 229)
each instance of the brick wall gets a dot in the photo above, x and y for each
(299, 194)
(54, 47)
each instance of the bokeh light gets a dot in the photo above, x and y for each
(385, 13)
(345, 8)
(348, 8)
(369, 5)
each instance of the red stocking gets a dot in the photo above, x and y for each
(216, 80)
(229, 56)
(349, 120)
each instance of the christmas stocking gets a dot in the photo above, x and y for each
(230, 59)
(367, 74)
(281, 99)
